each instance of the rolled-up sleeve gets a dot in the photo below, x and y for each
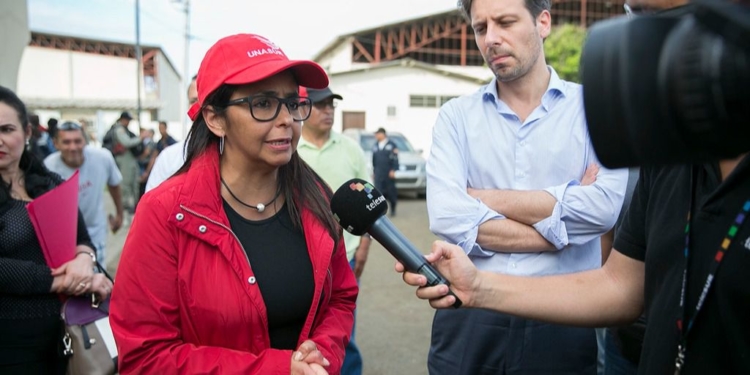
(454, 215)
(583, 213)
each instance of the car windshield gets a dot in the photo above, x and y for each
(367, 141)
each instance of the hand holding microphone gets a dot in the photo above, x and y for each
(360, 208)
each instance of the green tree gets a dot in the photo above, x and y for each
(563, 47)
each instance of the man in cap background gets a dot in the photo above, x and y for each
(122, 143)
(336, 158)
(384, 167)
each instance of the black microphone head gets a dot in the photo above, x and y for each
(356, 205)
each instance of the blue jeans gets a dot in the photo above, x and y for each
(353, 359)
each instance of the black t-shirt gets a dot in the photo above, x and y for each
(654, 231)
(281, 264)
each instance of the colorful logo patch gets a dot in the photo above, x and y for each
(366, 187)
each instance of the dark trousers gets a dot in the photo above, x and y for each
(615, 363)
(32, 346)
(352, 358)
(481, 342)
(387, 186)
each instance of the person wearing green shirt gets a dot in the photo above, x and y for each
(337, 159)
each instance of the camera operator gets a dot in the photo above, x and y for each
(682, 253)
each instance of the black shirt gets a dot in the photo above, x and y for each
(281, 264)
(654, 231)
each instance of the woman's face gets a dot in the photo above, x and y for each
(270, 143)
(12, 139)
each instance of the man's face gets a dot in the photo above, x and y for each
(71, 143)
(380, 136)
(321, 116)
(192, 93)
(509, 39)
(163, 129)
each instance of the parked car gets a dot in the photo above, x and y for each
(411, 177)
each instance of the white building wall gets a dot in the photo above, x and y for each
(375, 90)
(339, 59)
(52, 74)
(170, 92)
(57, 74)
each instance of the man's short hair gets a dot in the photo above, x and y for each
(535, 7)
(69, 126)
(380, 130)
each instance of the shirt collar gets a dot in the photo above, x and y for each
(555, 87)
(333, 138)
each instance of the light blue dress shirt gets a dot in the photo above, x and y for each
(479, 142)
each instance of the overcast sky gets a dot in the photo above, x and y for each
(300, 27)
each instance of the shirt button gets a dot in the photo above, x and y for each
(512, 265)
(251, 280)
(179, 217)
(202, 229)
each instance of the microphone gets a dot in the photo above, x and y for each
(360, 208)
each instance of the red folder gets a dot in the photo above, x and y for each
(54, 215)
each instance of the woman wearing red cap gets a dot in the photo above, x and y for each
(235, 264)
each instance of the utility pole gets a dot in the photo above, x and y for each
(186, 71)
(138, 55)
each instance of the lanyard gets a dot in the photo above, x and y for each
(723, 248)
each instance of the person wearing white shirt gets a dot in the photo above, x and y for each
(173, 157)
(513, 180)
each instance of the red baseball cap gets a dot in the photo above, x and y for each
(246, 58)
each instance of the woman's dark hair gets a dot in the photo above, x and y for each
(302, 187)
(36, 177)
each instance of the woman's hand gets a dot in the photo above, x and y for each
(309, 360)
(101, 286)
(302, 368)
(75, 275)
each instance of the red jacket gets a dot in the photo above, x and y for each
(186, 300)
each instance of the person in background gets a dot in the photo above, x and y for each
(97, 170)
(30, 325)
(172, 157)
(336, 159)
(51, 130)
(241, 239)
(38, 140)
(166, 140)
(123, 145)
(385, 165)
(146, 158)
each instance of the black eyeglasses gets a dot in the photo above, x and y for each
(266, 107)
(69, 125)
(328, 103)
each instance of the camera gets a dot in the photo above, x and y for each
(670, 87)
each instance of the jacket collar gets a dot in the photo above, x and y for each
(201, 191)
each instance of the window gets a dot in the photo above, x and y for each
(417, 101)
(429, 101)
(391, 111)
(445, 99)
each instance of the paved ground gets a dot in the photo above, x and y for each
(393, 326)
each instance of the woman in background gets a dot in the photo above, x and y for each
(30, 325)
